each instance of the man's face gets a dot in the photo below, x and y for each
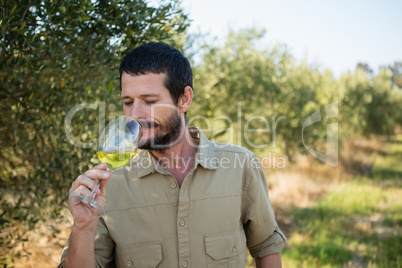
(146, 99)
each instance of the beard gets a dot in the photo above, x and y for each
(161, 142)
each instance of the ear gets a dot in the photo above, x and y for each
(185, 100)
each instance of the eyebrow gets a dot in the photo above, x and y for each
(142, 96)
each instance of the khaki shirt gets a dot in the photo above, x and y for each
(221, 208)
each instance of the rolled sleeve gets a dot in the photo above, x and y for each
(273, 244)
(262, 232)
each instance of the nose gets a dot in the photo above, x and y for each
(136, 112)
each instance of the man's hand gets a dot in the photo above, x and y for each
(81, 251)
(83, 214)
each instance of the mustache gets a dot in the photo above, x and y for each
(146, 124)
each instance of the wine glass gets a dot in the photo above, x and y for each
(117, 146)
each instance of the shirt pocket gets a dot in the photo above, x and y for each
(139, 255)
(226, 249)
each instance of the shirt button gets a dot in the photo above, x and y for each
(184, 264)
(173, 185)
(182, 223)
(129, 263)
(234, 249)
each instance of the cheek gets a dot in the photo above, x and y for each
(163, 113)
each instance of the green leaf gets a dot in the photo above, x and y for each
(23, 25)
(63, 9)
(13, 9)
(110, 87)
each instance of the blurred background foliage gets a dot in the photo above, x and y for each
(268, 83)
(55, 55)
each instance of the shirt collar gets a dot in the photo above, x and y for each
(206, 153)
(145, 163)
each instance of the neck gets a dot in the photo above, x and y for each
(179, 155)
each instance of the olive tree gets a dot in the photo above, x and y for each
(55, 55)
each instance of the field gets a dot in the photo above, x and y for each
(332, 218)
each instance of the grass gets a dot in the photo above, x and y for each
(357, 223)
(389, 166)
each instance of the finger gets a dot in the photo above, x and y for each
(102, 186)
(101, 166)
(97, 174)
(82, 190)
(83, 180)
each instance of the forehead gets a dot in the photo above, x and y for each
(143, 84)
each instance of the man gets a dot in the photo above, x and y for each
(183, 201)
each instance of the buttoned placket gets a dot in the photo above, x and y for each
(183, 231)
(182, 197)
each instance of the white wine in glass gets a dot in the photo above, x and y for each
(117, 146)
(115, 159)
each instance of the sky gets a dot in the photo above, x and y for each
(333, 34)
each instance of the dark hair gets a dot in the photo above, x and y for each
(160, 58)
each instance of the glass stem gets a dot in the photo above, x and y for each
(93, 194)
